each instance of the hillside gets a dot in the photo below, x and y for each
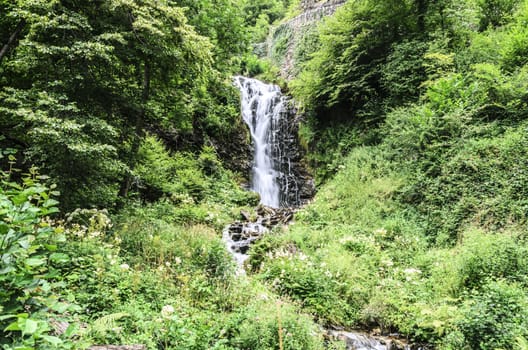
(123, 156)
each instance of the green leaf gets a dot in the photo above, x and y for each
(72, 329)
(52, 340)
(13, 327)
(60, 307)
(33, 262)
(51, 247)
(5, 317)
(30, 326)
(50, 211)
(7, 270)
(50, 203)
(59, 258)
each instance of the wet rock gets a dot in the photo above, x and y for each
(246, 216)
(59, 327)
(239, 236)
(366, 341)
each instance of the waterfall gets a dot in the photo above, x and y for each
(278, 173)
(263, 106)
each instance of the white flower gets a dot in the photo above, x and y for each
(124, 266)
(263, 296)
(167, 311)
(387, 262)
(167, 264)
(380, 232)
(177, 260)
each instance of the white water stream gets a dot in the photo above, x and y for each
(262, 105)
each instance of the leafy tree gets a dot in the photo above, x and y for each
(88, 78)
(345, 72)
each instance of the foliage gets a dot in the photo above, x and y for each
(354, 44)
(282, 37)
(306, 44)
(493, 317)
(193, 183)
(84, 82)
(419, 147)
(30, 255)
(263, 320)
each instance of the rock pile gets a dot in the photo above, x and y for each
(241, 234)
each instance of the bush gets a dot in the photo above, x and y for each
(30, 256)
(487, 257)
(493, 317)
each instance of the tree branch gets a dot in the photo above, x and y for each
(12, 39)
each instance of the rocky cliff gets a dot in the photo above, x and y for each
(284, 44)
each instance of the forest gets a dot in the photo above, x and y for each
(123, 155)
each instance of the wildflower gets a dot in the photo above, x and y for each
(380, 232)
(168, 264)
(167, 311)
(94, 234)
(124, 266)
(177, 260)
(263, 296)
(411, 273)
(387, 262)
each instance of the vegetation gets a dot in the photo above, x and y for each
(417, 135)
(122, 154)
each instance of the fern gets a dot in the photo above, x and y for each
(103, 325)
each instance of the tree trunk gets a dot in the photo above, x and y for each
(12, 39)
(421, 7)
(139, 131)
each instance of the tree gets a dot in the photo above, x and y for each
(86, 79)
(345, 72)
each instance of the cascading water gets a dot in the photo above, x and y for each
(263, 106)
(278, 176)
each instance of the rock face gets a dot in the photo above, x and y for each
(307, 5)
(284, 39)
(296, 183)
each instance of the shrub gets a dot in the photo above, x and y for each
(486, 257)
(493, 317)
(29, 250)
